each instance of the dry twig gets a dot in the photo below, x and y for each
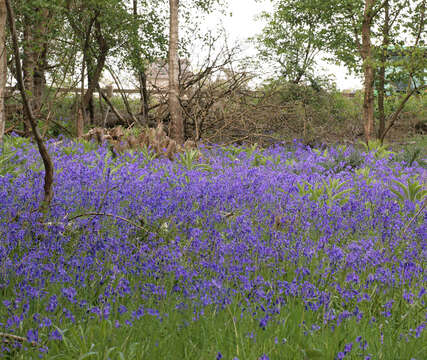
(109, 215)
(9, 338)
(405, 229)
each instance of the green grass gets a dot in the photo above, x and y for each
(180, 336)
(188, 331)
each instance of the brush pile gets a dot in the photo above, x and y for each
(154, 138)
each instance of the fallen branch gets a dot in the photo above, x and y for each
(8, 130)
(414, 217)
(113, 109)
(109, 215)
(8, 338)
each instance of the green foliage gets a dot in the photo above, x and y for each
(190, 159)
(233, 151)
(379, 150)
(148, 154)
(412, 155)
(366, 174)
(79, 146)
(344, 109)
(262, 160)
(404, 66)
(8, 165)
(327, 192)
(341, 162)
(147, 36)
(412, 191)
(415, 108)
(291, 40)
(315, 113)
(320, 152)
(252, 152)
(297, 31)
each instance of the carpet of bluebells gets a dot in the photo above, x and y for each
(243, 253)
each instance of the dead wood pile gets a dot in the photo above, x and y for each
(154, 138)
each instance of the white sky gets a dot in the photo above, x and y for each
(242, 24)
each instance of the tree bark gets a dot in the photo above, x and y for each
(368, 70)
(381, 74)
(80, 110)
(28, 66)
(97, 69)
(144, 96)
(176, 130)
(40, 54)
(142, 77)
(90, 106)
(47, 161)
(3, 68)
(40, 79)
(35, 49)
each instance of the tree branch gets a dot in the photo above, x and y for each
(108, 215)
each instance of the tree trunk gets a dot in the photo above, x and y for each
(40, 54)
(368, 70)
(97, 69)
(144, 96)
(90, 106)
(383, 58)
(47, 161)
(176, 127)
(40, 79)
(95, 72)
(28, 65)
(81, 110)
(142, 78)
(3, 68)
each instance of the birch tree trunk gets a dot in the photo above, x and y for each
(368, 70)
(3, 67)
(176, 127)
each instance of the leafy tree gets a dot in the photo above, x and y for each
(38, 22)
(399, 60)
(352, 31)
(98, 27)
(47, 160)
(59, 36)
(291, 41)
(147, 43)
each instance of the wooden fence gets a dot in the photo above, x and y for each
(109, 91)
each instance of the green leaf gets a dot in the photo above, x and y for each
(87, 355)
(313, 354)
